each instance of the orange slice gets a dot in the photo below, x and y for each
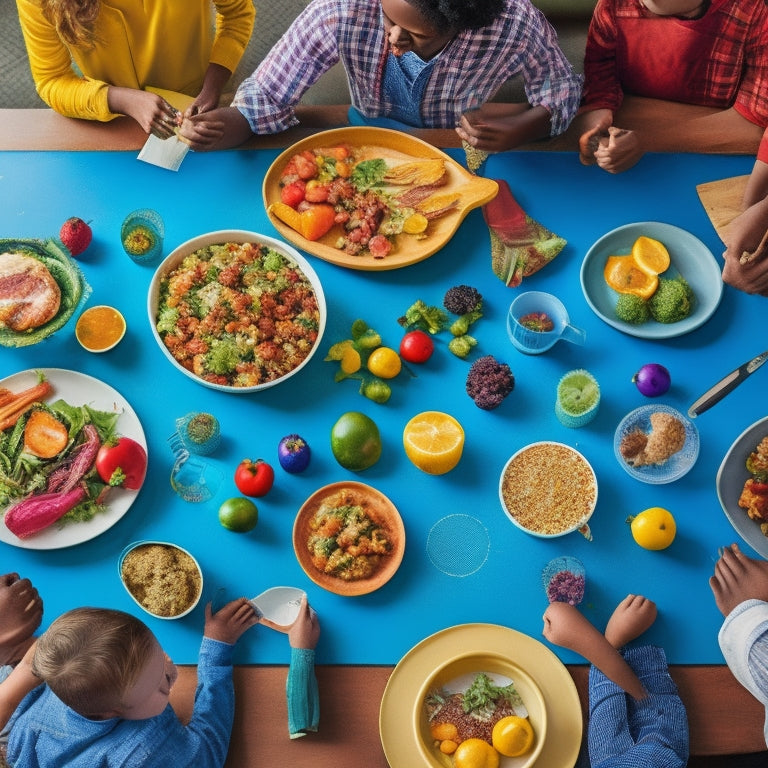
(624, 276)
(650, 255)
(434, 442)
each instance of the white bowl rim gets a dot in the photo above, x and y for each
(144, 542)
(235, 236)
(578, 525)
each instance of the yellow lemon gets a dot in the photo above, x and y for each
(654, 528)
(650, 255)
(384, 362)
(512, 736)
(433, 441)
(350, 360)
(475, 753)
(415, 224)
(624, 275)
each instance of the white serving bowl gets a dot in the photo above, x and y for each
(541, 485)
(233, 236)
(179, 562)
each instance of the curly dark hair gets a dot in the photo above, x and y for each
(458, 15)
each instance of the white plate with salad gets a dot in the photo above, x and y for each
(77, 390)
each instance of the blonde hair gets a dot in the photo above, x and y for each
(90, 657)
(74, 20)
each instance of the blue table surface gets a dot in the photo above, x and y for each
(39, 190)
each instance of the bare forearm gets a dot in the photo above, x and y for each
(565, 626)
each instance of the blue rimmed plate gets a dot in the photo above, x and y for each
(690, 258)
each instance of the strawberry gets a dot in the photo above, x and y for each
(76, 235)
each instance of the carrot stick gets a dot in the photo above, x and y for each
(14, 417)
(6, 396)
(21, 400)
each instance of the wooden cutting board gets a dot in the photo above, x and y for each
(722, 201)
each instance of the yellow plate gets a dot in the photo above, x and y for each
(379, 508)
(475, 191)
(564, 723)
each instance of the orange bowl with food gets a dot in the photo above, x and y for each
(349, 538)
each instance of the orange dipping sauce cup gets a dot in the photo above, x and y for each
(99, 329)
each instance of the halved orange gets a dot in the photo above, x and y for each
(624, 276)
(650, 255)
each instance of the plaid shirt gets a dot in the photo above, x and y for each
(468, 73)
(719, 60)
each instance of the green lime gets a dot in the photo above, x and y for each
(578, 392)
(238, 514)
(355, 441)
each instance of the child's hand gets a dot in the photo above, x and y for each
(620, 151)
(305, 631)
(228, 623)
(21, 610)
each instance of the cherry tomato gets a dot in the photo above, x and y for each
(254, 478)
(292, 194)
(316, 191)
(122, 462)
(416, 347)
(306, 165)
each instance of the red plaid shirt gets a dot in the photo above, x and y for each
(719, 60)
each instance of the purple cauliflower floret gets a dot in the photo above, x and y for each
(489, 382)
(462, 299)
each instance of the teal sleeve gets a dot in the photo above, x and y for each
(302, 693)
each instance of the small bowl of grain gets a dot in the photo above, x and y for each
(549, 489)
(162, 578)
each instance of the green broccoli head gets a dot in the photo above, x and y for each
(223, 356)
(632, 309)
(672, 301)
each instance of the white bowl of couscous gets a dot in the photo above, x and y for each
(548, 489)
(163, 579)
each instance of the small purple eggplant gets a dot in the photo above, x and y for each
(293, 453)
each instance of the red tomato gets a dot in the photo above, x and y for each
(123, 463)
(416, 347)
(316, 191)
(292, 194)
(254, 478)
(306, 165)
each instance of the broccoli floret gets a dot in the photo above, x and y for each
(632, 309)
(461, 324)
(489, 382)
(365, 337)
(461, 345)
(672, 301)
(465, 301)
(376, 389)
(462, 299)
(428, 318)
(223, 356)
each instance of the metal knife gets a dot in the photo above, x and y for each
(728, 384)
